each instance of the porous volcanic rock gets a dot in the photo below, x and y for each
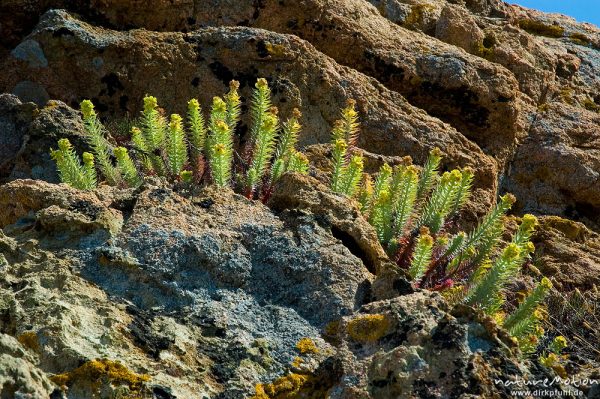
(556, 170)
(208, 294)
(27, 133)
(568, 252)
(480, 99)
(116, 69)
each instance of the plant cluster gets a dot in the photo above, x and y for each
(196, 150)
(414, 212)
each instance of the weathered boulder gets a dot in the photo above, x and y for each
(208, 294)
(476, 97)
(568, 252)
(212, 268)
(27, 133)
(19, 378)
(556, 170)
(116, 69)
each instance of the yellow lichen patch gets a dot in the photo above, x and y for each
(368, 328)
(572, 230)
(307, 345)
(540, 28)
(96, 372)
(29, 340)
(580, 38)
(566, 95)
(297, 362)
(276, 50)
(417, 14)
(51, 104)
(288, 386)
(590, 105)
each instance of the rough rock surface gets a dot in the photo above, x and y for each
(164, 293)
(28, 132)
(210, 294)
(569, 252)
(556, 170)
(491, 96)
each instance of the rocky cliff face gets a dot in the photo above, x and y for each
(207, 295)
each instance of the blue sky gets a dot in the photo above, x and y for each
(581, 10)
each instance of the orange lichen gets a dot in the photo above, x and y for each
(99, 371)
(306, 345)
(29, 340)
(368, 328)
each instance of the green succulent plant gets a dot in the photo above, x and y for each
(201, 151)
(414, 213)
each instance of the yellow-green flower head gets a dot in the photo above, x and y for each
(219, 105)
(384, 196)
(546, 283)
(538, 314)
(386, 169)
(560, 342)
(301, 157)
(412, 171)
(443, 239)
(426, 239)
(340, 144)
(222, 126)
(64, 144)
(356, 161)
(87, 109)
(529, 247)
(436, 152)
(508, 199)
(539, 331)
(175, 123)
(512, 251)
(262, 84)
(270, 121)
(549, 360)
(120, 152)
(193, 104)
(234, 85)
(150, 103)
(88, 158)
(529, 222)
(219, 149)
(350, 110)
(455, 176)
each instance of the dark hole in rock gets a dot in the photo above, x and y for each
(349, 242)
